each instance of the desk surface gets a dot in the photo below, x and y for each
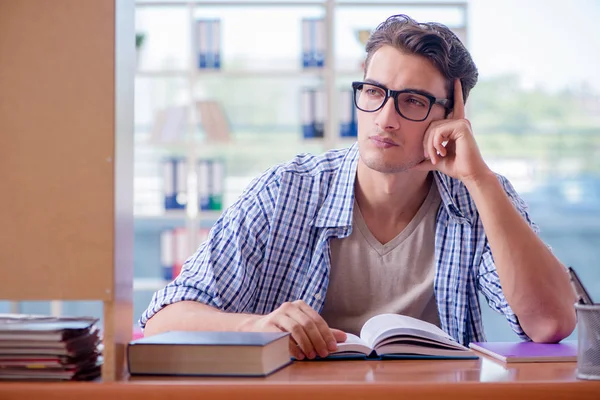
(464, 379)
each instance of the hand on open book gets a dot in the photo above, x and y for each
(310, 334)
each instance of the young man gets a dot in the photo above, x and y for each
(409, 220)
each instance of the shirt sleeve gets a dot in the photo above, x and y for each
(489, 282)
(222, 273)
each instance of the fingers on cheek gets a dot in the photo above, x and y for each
(431, 147)
(440, 146)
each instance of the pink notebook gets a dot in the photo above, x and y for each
(528, 351)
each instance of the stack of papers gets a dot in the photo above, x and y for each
(34, 347)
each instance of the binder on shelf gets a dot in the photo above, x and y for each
(307, 113)
(203, 176)
(181, 249)
(167, 256)
(169, 183)
(216, 43)
(320, 43)
(216, 184)
(348, 127)
(320, 102)
(175, 183)
(208, 43)
(313, 42)
(306, 50)
(313, 111)
(202, 43)
(211, 180)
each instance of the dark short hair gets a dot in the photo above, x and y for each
(432, 40)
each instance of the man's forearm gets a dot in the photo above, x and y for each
(534, 282)
(194, 316)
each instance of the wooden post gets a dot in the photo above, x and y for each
(66, 156)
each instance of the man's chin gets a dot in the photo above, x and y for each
(392, 167)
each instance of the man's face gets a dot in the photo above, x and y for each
(387, 142)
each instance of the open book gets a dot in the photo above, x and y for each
(398, 336)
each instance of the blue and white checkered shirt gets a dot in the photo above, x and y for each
(272, 246)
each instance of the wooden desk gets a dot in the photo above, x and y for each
(469, 379)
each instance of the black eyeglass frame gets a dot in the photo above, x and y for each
(446, 103)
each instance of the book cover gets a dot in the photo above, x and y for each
(528, 351)
(196, 353)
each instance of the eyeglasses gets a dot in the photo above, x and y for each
(413, 105)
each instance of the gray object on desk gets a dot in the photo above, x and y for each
(588, 334)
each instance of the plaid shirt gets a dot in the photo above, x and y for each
(272, 246)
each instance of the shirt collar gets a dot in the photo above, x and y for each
(337, 208)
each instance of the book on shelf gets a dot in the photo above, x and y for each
(510, 352)
(209, 353)
(44, 347)
(213, 120)
(393, 336)
(170, 125)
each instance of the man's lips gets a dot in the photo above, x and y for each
(383, 142)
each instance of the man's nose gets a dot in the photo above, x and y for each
(387, 118)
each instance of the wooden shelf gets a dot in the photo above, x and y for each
(230, 3)
(149, 284)
(276, 74)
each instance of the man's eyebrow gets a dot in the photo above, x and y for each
(373, 81)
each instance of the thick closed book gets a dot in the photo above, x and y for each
(209, 353)
(393, 336)
(528, 351)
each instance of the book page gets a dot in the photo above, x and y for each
(353, 344)
(384, 326)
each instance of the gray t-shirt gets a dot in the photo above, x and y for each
(369, 278)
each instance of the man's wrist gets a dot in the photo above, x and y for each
(247, 322)
(480, 181)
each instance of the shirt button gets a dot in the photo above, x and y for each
(318, 296)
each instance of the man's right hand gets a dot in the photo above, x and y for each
(310, 334)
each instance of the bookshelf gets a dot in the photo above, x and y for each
(67, 226)
(279, 68)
